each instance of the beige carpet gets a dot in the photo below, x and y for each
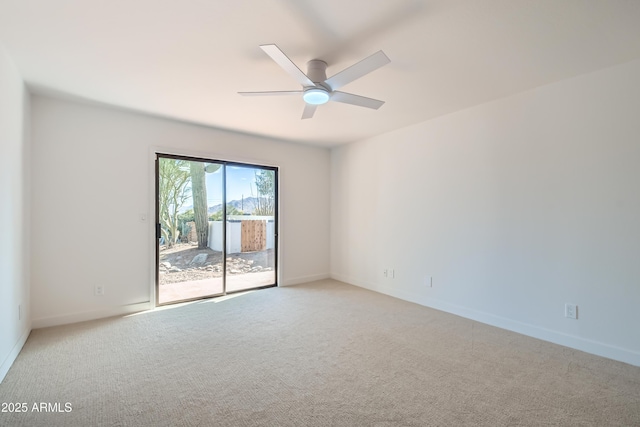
(320, 354)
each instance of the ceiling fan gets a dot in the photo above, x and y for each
(317, 89)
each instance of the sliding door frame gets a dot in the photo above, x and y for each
(157, 233)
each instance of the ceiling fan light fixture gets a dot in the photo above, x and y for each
(316, 96)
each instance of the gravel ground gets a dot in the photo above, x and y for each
(184, 262)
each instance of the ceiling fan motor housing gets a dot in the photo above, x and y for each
(321, 92)
(317, 71)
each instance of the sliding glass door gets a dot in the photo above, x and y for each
(216, 228)
(251, 260)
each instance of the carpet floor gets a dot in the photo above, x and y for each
(318, 354)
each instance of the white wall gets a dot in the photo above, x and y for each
(14, 210)
(514, 207)
(92, 180)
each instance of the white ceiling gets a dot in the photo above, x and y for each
(187, 59)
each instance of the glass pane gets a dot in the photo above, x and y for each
(251, 205)
(190, 251)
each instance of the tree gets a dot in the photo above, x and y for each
(265, 185)
(199, 194)
(173, 192)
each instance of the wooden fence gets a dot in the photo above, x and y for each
(253, 236)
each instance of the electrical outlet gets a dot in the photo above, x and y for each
(428, 281)
(392, 273)
(385, 273)
(571, 311)
(99, 290)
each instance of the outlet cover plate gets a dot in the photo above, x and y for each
(571, 311)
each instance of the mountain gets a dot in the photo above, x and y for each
(246, 205)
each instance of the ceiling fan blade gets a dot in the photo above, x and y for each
(361, 101)
(357, 70)
(273, 92)
(309, 109)
(283, 61)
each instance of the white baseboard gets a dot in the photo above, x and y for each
(45, 322)
(589, 346)
(572, 341)
(304, 279)
(6, 364)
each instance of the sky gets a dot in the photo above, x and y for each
(240, 183)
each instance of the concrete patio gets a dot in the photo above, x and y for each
(200, 288)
